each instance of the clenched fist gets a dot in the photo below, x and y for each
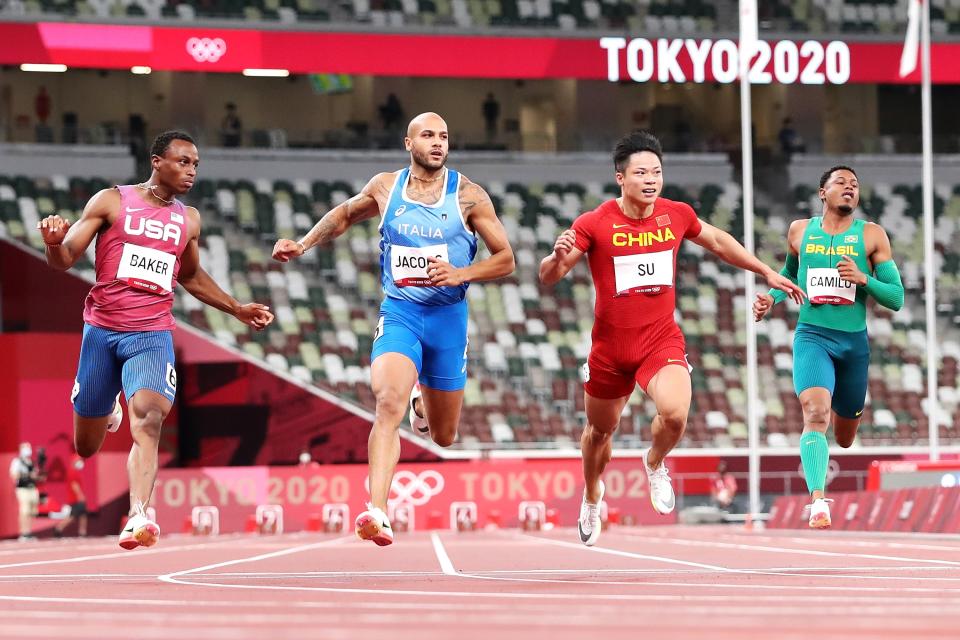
(53, 229)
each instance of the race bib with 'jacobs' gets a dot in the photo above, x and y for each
(643, 272)
(408, 265)
(825, 286)
(146, 269)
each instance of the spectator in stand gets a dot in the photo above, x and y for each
(24, 474)
(790, 142)
(231, 129)
(491, 114)
(75, 498)
(723, 487)
(41, 105)
(391, 113)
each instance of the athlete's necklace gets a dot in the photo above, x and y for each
(152, 188)
(428, 180)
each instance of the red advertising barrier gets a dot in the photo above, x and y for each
(612, 58)
(428, 490)
(923, 509)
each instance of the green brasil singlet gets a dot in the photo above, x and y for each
(832, 303)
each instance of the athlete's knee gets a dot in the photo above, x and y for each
(597, 435)
(147, 425)
(815, 412)
(674, 420)
(85, 447)
(443, 438)
(845, 439)
(391, 405)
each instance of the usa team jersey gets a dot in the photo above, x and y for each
(138, 259)
(633, 262)
(411, 232)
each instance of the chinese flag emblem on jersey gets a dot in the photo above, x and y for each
(663, 221)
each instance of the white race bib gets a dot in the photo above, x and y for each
(825, 286)
(408, 265)
(643, 272)
(146, 269)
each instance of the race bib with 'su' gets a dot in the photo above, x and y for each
(643, 272)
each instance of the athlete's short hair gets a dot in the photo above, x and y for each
(162, 142)
(829, 172)
(635, 142)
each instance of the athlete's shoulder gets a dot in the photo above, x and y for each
(798, 226)
(665, 205)
(602, 211)
(193, 215)
(467, 187)
(873, 229)
(381, 184)
(104, 203)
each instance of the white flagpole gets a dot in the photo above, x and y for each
(930, 289)
(748, 39)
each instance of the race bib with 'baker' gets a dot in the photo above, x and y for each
(408, 265)
(825, 286)
(146, 269)
(643, 272)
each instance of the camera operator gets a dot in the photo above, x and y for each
(24, 474)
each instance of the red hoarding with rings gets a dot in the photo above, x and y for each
(612, 58)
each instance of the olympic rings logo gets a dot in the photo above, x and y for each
(408, 487)
(206, 49)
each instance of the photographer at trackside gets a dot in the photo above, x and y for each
(24, 474)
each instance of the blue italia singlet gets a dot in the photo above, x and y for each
(411, 232)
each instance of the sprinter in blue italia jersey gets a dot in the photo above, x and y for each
(430, 217)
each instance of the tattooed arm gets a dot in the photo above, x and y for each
(479, 215)
(363, 206)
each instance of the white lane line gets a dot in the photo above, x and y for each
(627, 554)
(843, 538)
(559, 615)
(120, 554)
(445, 564)
(809, 552)
(173, 577)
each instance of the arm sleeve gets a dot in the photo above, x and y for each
(790, 269)
(584, 230)
(886, 286)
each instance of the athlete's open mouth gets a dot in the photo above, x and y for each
(649, 192)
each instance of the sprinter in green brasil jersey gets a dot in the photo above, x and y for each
(838, 261)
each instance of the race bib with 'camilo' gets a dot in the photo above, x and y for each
(408, 265)
(825, 286)
(146, 269)
(643, 272)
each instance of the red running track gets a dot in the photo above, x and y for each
(653, 582)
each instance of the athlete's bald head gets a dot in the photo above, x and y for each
(427, 120)
(427, 141)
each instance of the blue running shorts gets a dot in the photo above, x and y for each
(433, 337)
(134, 360)
(833, 359)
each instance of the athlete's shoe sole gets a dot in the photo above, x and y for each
(369, 528)
(146, 535)
(591, 539)
(820, 521)
(417, 422)
(116, 417)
